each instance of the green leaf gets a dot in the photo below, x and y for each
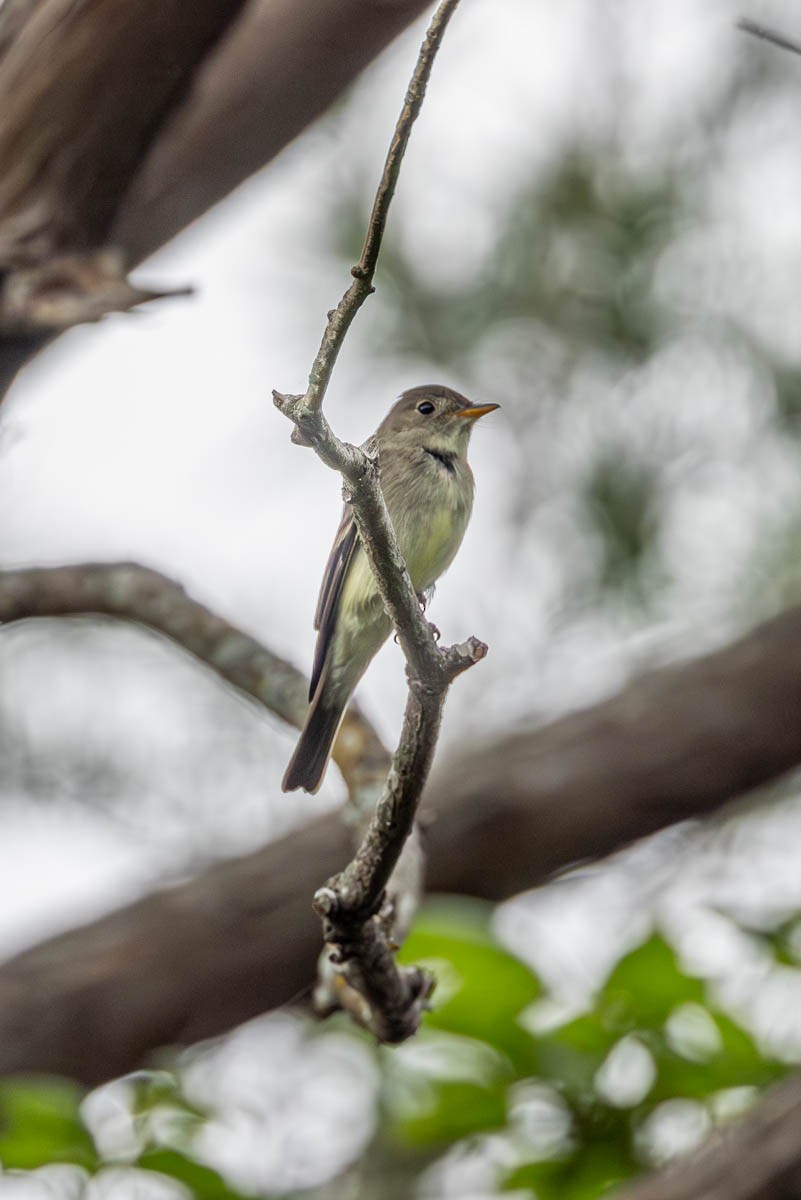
(645, 987)
(453, 1111)
(40, 1123)
(570, 1055)
(594, 1169)
(546, 1179)
(785, 940)
(203, 1182)
(485, 989)
(738, 1063)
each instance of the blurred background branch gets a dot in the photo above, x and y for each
(755, 1158)
(675, 744)
(134, 593)
(194, 101)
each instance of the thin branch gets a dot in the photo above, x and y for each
(195, 99)
(340, 318)
(135, 593)
(768, 35)
(349, 903)
(138, 594)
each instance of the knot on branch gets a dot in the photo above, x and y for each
(344, 904)
(360, 975)
(325, 902)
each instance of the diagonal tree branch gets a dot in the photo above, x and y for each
(195, 99)
(279, 66)
(340, 318)
(193, 960)
(139, 594)
(68, 159)
(350, 904)
(757, 1157)
(769, 35)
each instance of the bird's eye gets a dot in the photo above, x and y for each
(426, 408)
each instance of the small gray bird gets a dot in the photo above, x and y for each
(428, 489)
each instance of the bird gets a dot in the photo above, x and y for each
(428, 488)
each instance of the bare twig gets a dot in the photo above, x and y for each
(340, 318)
(195, 98)
(135, 593)
(350, 904)
(768, 35)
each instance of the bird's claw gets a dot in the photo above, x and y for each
(422, 600)
(435, 633)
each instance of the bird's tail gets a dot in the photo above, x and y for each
(308, 763)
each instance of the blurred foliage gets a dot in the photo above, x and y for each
(40, 1123)
(574, 263)
(575, 250)
(653, 1035)
(563, 1112)
(621, 499)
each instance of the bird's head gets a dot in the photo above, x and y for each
(435, 417)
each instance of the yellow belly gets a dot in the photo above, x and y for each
(429, 547)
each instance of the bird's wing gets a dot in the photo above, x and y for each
(336, 570)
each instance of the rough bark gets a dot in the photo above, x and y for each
(84, 89)
(241, 938)
(131, 592)
(756, 1158)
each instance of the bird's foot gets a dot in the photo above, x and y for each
(422, 600)
(435, 633)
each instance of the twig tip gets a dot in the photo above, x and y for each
(477, 649)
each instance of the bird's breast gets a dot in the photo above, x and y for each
(430, 515)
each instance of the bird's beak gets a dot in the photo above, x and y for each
(476, 410)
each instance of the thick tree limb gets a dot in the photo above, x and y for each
(755, 1158)
(84, 89)
(196, 959)
(280, 66)
(121, 121)
(676, 743)
(392, 997)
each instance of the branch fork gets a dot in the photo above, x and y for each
(361, 974)
(386, 999)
